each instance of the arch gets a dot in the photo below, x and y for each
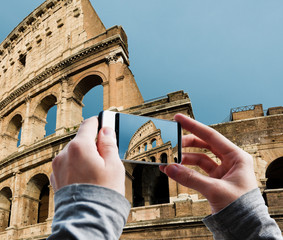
(86, 84)
(145, 147)
(45, 104)
(14, 126)
(93, 102)
(13, 132)
(163, 158)
(41, 127)
(50, 126)
(37, 199)
(274, 174)
(152, 159)
(153, 143)
(5, 208)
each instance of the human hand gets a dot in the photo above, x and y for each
(225, 182)
(85, 161)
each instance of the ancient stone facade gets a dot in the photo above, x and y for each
(53, 58)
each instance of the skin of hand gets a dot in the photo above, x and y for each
(225, 182)
(84, 160)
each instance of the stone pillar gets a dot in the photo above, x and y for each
(1, 124)
(73, 113)
(111, 59)
(36, 129)
(26, 128)
(2, 149)
(51, 203)
(17, 207)
(106, 104)
(8, 145)
(62, 108)
(159, 141)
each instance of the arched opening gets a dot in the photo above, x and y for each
(145, 147)
(36, 200)
(43, 204)
(5, 208)
(274, 174)
(15, 126)
(152, 159)
(153, 143)
(19, 138)
(163, 158)
(138, 199)
(50, 126)
(93, 102)
(150, 186)
(90, 91)
(43, 126)
(14, 133)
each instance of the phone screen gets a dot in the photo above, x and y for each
(148, 140)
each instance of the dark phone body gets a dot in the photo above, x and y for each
(144, 139)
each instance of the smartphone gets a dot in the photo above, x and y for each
(144, 140)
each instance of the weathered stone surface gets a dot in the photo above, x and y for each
(54, 57)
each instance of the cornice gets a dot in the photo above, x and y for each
(62, 65)
(37, 147)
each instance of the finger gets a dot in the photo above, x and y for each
(200, 160)
(106, 145)
(189, 178)
(217, 141)
(53, 182)
(88, 129)
(191, 140)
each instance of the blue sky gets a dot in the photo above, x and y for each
(223, 53)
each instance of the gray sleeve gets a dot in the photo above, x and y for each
(85, 211)
(246, 218)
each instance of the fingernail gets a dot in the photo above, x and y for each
(109, 132)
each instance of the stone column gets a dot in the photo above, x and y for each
(2, 149)
(16, 210)
(62, 108)
(1, 123)
(26, 128)
(111, 60)
(106, 104)
(51, 203)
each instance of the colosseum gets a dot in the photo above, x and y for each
(54, 57)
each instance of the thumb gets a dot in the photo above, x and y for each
(189, 178)
(107, 145)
